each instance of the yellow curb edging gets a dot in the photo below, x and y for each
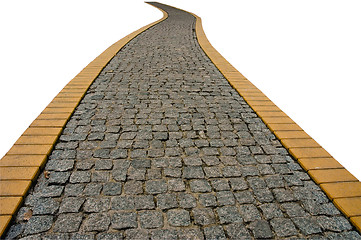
(21, 165)
(329, 174)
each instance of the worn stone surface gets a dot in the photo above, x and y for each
(162, 147)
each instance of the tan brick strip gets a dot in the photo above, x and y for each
(338, 183)
(23, 162)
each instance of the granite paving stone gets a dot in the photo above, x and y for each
(207, 200)
(283, 227)
(167, 201)
(96, 205)
(244, 197)
(123, 203)
(71, 204)
(92, 189)
(263, 195)
(214, 232)
(307, 225)
(124, 220)
(225, 198)
(178, 217)
(45, 206)
(97, 222)
(162, 147)
(187, 200)
(261, 229)
(200, 186)
(237, 231)
(229, 214)
(190, 233)
(270, 210)
(140, 234)
(151, 219)
(38, 224)
(164, 234)
(143, 202)
(204, 216)
(69, 222)
(250, 213)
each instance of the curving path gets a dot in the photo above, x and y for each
(162, 147)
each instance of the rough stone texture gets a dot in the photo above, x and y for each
(163, 147)
(68, 222)
(178, 218)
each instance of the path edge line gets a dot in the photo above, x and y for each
(21, 165)
(341, 187)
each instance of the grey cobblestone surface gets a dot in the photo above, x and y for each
(162, 147)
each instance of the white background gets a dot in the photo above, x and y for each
(304, 55)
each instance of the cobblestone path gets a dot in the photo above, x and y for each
(162, 147)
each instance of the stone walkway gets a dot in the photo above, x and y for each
(162, 147)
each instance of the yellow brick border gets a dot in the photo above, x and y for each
(338, 183)
(23, 162)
